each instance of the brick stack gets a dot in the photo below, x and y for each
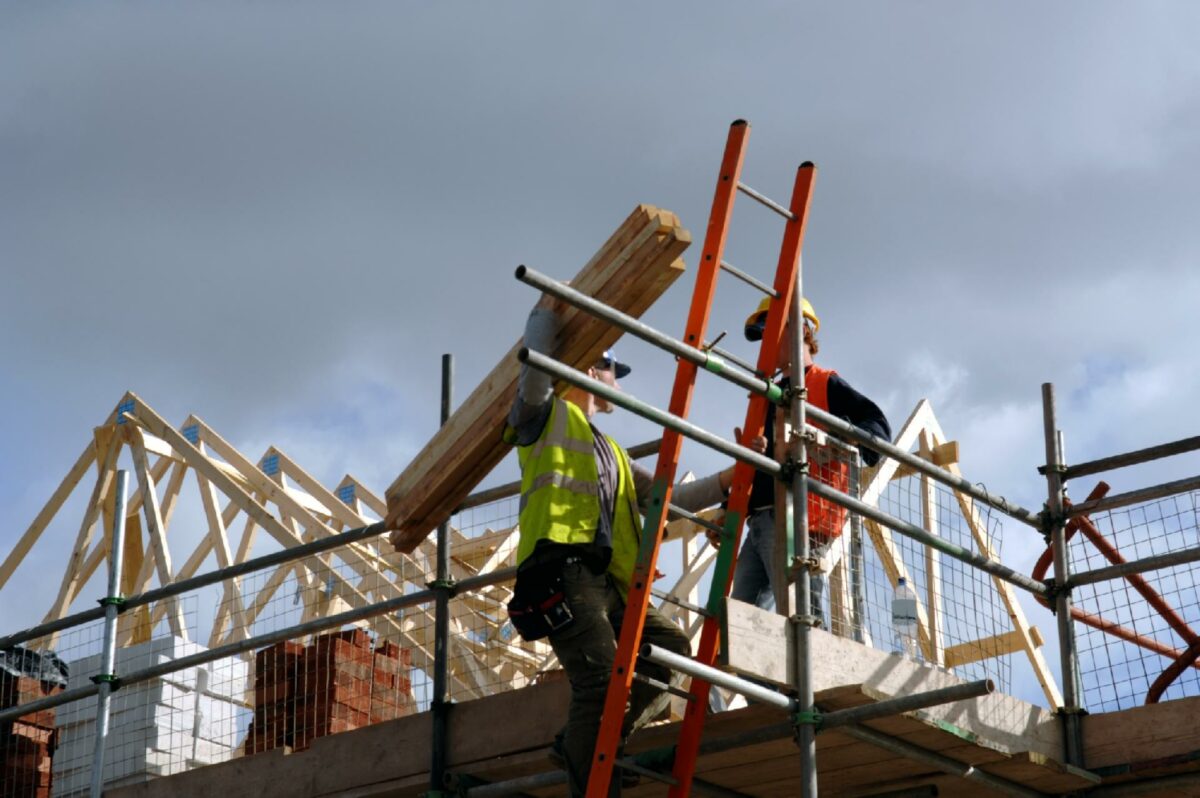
(26, 744)
(391, 689)
(276, 685)
(336, 684)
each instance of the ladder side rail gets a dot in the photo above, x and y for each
(773, 338)
(657, 503)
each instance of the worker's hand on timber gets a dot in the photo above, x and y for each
(394, 539)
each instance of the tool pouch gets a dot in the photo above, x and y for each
(539, 606)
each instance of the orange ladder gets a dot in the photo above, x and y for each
(782, 292)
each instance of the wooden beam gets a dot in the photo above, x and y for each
(158, 538)
(630, 271)
(43, 518)
(231, 598)
(988, 647)
(943, 455)
(933, 561)
(106, 443)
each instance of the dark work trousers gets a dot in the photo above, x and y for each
(754, 575)
(586, 652)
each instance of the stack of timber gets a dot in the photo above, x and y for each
(633, 268)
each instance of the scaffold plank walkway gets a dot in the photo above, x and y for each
(392, 758)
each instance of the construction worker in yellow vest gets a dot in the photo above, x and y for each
(580, 529)
(754, 579)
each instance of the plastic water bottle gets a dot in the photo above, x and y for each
(904, 619)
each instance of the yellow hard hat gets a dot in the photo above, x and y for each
(757, 320)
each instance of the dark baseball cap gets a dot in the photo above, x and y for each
(609, 361)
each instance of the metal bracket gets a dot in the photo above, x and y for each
(789, 468)
(1052, 591)
(113, 601)
(813, 719)
(813, 621)
(1080, 711)
(113, 681)
(442, 584)
(813, 564)
(797, 391)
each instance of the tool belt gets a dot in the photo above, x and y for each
(539, 605)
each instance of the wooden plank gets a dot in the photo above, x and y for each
(988, 647)
(632, 269)
(1142, 734)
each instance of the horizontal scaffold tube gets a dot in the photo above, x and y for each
(961, 769)
(829, 720)
(261, 641)
(203, 580)
(1172, 558)
(758, 385)
(767, 465)
(834, 424)
(1134, 497)
(697, 357)
(284, 556)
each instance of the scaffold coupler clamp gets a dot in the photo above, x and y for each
(789, 468)
(1052, 591)
(111, 679)
(806, 719)
(442, 584)
(813, 564)
(113, 601)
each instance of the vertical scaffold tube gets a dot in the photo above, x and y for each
(1071, 711)
(108, 655)
(440, 706)
(806, 729)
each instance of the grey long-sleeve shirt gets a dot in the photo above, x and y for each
(531, 411)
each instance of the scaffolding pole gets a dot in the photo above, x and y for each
(112, 604)
(443, 587)
(1070, 711)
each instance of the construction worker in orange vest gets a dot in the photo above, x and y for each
(754, 577)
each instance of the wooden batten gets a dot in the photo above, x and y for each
(633, 268)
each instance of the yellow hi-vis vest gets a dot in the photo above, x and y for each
(560, 492)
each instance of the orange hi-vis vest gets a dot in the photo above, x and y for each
(825, 519)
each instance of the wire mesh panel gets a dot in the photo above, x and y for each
(157, 727)
(486, 655)
(962, 618)
(1130, 630)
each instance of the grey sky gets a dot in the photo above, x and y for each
(278, 216)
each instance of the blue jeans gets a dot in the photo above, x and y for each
(754, 577)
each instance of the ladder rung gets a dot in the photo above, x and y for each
(674, 511)
(749, 279)
(678, 602)
(669, 688)
(767, 201)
